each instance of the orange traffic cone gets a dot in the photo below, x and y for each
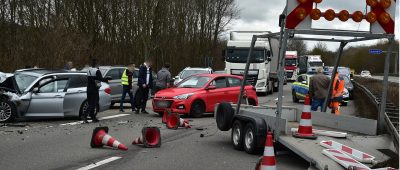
(305, 126)
(165, 115)
(268, 161)
(151, 137)
(101, 138)
(174, 121)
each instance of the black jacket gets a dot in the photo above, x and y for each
(143, 76)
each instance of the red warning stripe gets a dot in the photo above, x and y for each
(345, 159)
(269, 161)
(347, 149)
(292, 21)
(388, 27)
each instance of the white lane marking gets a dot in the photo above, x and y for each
(94, 165)
(101, 118)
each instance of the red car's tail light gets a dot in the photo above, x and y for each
(107, 90)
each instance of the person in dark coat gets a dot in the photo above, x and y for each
(93, 85)
(145, 83)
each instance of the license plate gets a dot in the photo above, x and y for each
(162, 104)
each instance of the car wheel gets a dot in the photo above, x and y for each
(84, 108)
(250, 139)
(224, 116)
(294, 97)
(7, 111)
(197, 109)
(269, 87)
(252, 102)
(237, 135)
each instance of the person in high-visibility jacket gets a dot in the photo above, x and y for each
(337, 94)
(126, 81)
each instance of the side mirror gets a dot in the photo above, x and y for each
(176, 77)
(304, 82)
(268, 53)
(211, 87)
(35, 90)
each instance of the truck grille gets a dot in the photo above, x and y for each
(251, 77)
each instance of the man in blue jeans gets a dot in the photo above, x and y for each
(318, 89)
(126, 81)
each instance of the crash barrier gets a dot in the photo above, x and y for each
(151, 137)
(345, 123)
(268, 161)
(101, 138)
(354, 153)
(343, 159)
(174, 121)
(324, 133)
(305, 126)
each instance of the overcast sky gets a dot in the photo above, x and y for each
(260, 15)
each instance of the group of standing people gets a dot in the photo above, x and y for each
(318, 90)
(138, 99)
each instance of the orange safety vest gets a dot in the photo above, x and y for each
(338, 87)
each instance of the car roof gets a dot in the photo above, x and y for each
(219, 75)
(197, 68)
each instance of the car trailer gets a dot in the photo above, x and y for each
(250, 124)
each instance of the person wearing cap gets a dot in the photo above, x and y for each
(163, 78)
(318, 89)
(127, 88)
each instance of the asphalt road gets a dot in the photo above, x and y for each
(65, 144)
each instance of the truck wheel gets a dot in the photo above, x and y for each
(275, 88)
(237, 135)
(269, 87)
(294, 97)
(250, 139)
(197, 109)
(224, 116)
(7, 111)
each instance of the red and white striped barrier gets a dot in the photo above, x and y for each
(356, 154)
(138, 140)
(386, 168)
(184, 123)
(344, 160)
(325, 133)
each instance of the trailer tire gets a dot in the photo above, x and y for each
(250, 139)
(224, 116)
(237, 135)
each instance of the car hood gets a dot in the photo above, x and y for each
(171, 92)
(7, 82)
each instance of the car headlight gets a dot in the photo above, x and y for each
(262, 84)
(183, 96)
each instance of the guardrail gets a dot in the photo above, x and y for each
(391, 114)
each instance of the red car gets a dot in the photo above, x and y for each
(199, 94)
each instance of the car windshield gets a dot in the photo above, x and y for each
(188, 73)
(24, 80)
(290, 62)
(316, 64)
(194, 82)
(240, 56)
(344, 71)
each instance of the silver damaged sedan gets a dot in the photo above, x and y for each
(47, 93)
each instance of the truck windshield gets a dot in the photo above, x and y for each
(291, 62)
(240, 56)
(316, 64)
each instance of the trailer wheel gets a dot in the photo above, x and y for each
(224, 116)
(237, 135)
(250, 139)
